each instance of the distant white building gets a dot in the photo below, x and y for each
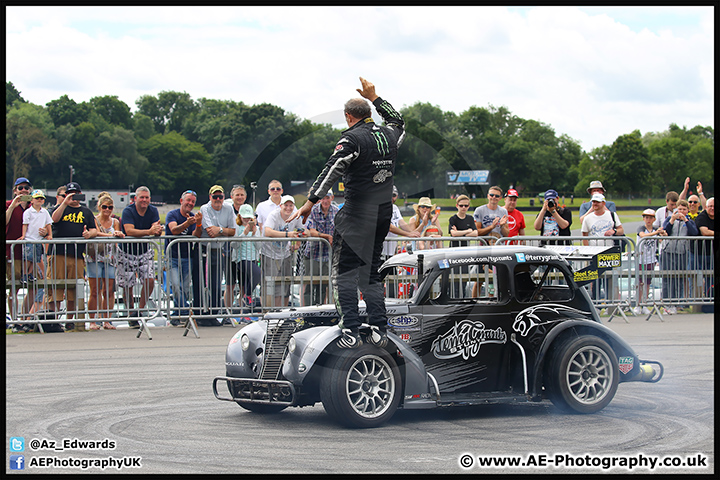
(120, 199)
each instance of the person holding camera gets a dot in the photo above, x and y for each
(14, 210)
(675, 253)
(72, 220)
(553, 220)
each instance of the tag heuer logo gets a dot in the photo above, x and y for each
(625, 364)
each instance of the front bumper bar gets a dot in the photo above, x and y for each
(254, 390)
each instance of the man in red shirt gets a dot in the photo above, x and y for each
(516, 220)
(13, 230)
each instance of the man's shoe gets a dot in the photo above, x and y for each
(350, 338)
(377, 337)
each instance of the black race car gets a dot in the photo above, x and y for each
(467, 326)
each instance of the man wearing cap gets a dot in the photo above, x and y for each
(596, 186)
(553, 220)
(516, 220)
(276, 257)
(218, 221)
(182, 222)
(14, 210)
(139, 220)
(365, 158)
(600, 221)
(71, 220)
(491, 219)
(321, 223)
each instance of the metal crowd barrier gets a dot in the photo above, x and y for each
(201, 293)
(206, 293)
(683, 274)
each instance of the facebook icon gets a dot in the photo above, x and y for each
(17, 462)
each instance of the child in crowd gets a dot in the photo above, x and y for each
(37, 225)
(647, 256)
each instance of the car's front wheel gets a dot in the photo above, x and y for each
(582, 375)
(361, 387)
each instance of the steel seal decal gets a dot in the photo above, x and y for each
(465, 339)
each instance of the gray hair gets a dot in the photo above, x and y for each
(358, 108)
(142, 189)
(186, 193)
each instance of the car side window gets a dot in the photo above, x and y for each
(401, 282)
(475, 283)
(540, 283)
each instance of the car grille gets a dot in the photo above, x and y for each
(276, 340)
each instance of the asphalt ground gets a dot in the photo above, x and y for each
(151, 403)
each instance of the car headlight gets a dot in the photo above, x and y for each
(291, 345)
(244, 342)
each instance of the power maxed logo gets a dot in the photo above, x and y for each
(465, 339)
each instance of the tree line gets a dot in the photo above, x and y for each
(172, 143)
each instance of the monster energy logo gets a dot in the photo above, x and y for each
(382, 142)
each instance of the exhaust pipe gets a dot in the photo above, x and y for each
(648, 373)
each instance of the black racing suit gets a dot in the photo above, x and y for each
(365, 158)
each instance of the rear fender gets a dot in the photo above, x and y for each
(626, 355)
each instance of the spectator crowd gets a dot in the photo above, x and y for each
(196, 270)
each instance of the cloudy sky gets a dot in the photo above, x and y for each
(591, 73)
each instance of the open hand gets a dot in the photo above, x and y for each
(368, 90)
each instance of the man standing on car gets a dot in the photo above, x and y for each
(365, 158)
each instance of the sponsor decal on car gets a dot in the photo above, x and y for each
(403, 321)
(483, 259)
(530, 317)
(625, 364)
(405, 337)
(465, 339)
(608, 260)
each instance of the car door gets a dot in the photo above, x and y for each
(464, 337)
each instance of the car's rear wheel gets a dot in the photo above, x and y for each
(361, 387)
(582, 375)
